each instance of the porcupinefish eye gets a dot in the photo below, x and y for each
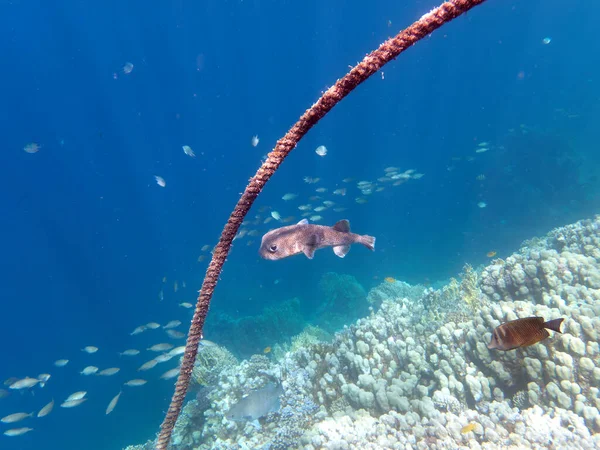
(273, 248)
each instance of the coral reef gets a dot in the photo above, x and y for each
(251, 334)
(398, 379)
(210, 362)
(397, 289)
(150, 445)
(187, 432)
(310, 335)
(278, 430)
(454, 301)
(342, 300)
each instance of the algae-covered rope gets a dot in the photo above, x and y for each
(388, 51)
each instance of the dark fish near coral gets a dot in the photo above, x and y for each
(307, 238)
(257, 404)
(523, 332)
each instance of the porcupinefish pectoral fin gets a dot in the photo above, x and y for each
(309, 251)
(341, 250)
(311, 245)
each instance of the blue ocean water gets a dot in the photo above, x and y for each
(88, 235)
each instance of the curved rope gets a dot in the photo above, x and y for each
(388, 51)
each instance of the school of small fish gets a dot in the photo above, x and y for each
(165, 352)
(316, 208)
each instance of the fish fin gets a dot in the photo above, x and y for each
(309, 251)
(341, 250)
(493, 342)
(367, 241)
(343, 226)
(303, 222)
(554, 324)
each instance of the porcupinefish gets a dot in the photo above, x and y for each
(307, 238)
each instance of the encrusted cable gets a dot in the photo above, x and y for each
(386, 52)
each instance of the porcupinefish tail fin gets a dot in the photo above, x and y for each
(367, 241)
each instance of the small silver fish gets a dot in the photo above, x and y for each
(108, 372)
(311, 180)
(16, 417)
(24, 383)
(43, 377)
(188, 151)
(160, 347)
(307, 238)
(177, 351)
(72, 403)
(136, 382)
(113, 403)
(17, 431)
(89, 370)
(138, 330)
(163, 358)
(172, 324)
(46, 409)
(174, 334)
(321, 150)
(170, 374)
(130, 352)
(148, 365)
(76, 396)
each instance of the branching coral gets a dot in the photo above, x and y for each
(309, 336)
(469, 288)
(210, 362)
(455, 299)
(397, 289)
